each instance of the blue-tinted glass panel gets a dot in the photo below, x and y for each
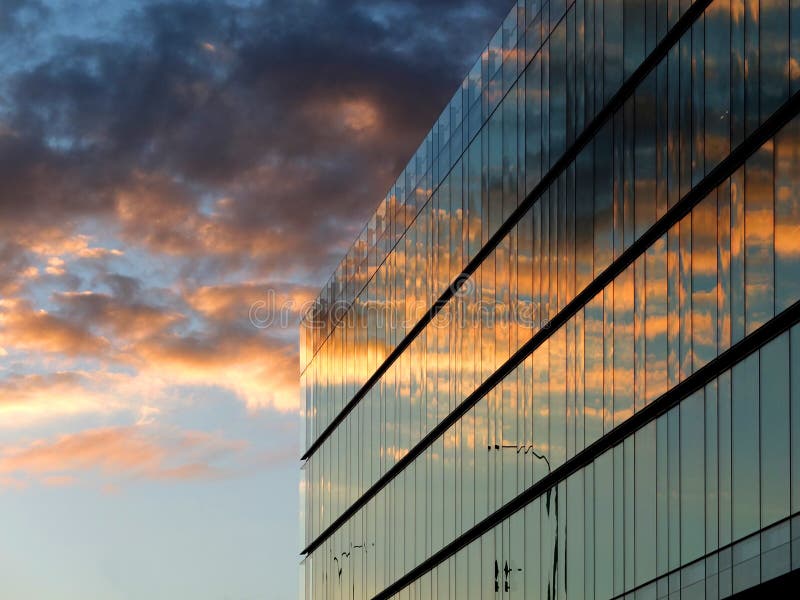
(745, 443)
(774, 420)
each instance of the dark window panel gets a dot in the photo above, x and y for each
(752, 87)
(613, 46)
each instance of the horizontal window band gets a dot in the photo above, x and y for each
(683, 207)
(707, 555)
(772, 588)
(616, 436)
(559, 167)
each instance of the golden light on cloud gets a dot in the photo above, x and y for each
(57, 244)
(359, 115)
(134, 452)
(33, 399)
(30, 273)
(55, 266)
(235, 301)
(262, 375)
(23, 328)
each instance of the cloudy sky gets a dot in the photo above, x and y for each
(164, 166)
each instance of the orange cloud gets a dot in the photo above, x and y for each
(155, 213)
(24, 328)
(126, 452)
(264, 372)
(359, 115)
(32, 398)
(59, 242)
(259, 365)
(236, 302)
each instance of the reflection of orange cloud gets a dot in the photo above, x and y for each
(128, 451)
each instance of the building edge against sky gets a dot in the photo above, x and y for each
(563, 358)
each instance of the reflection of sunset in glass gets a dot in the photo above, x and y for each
(539, 371)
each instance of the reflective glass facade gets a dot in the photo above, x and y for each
(563, 360)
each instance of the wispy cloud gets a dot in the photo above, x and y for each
(121, 454)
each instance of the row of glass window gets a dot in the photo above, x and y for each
(662, 318)
(733, 568)
(617, 187)
(712, 471)
(571, 64)
(718, 467)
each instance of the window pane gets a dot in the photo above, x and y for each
(656, 319)
(603, 522)
(584, 208)
(704, 281)
(795, 422)
(712, 467)
(623, 346)
(745, 447)
(645, 525)
(775, 450)
(574, 568)
(613, 31)
(774, 57)
(692, 428)
(593, 378)
(759, 232)
(737, 286)
(717, 88)
(603, 201)
(787, 216)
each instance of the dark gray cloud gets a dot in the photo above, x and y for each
(300, 114)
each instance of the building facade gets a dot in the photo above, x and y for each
(563, 358)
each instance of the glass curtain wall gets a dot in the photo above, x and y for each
(605, 216)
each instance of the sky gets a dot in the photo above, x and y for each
(165, 168)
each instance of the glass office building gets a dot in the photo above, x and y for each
(562, 361)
